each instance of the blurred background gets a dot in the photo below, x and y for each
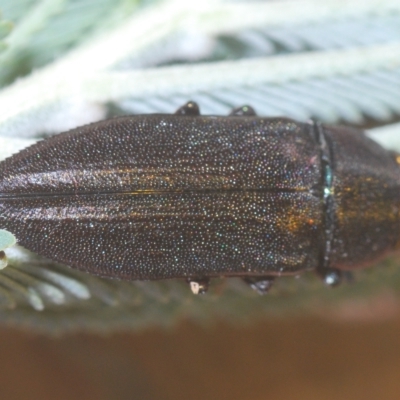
(302, 358)
(65, 334)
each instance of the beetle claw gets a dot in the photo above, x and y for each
(348, 277)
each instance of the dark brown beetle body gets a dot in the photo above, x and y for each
(187, 196)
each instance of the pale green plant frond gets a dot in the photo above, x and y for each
(111, 69)
(5, 29)
(46, 29)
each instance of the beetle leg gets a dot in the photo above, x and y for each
(190, 108)
(332, 277)
(244, 111)
(3, 260)
(199, 285)
(261, 284)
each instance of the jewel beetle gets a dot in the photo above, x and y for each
(181, 195)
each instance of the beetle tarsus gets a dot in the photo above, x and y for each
(199, 285)
(243, 111)
(190, 108)
(260, 284)
(332, 277)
